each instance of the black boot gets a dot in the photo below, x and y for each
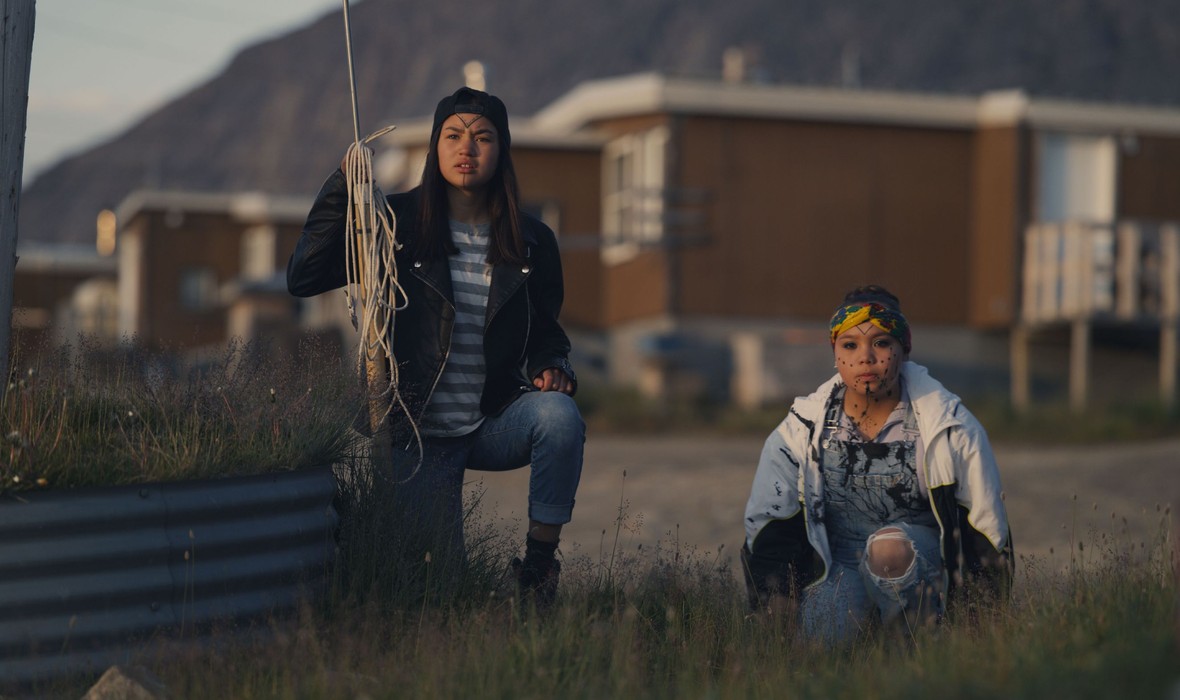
(537, 574)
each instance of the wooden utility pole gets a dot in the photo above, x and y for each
(16, 50)
(1079, 364)
(1169, 313)
(1020, 374)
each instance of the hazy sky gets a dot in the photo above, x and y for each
(101, 65)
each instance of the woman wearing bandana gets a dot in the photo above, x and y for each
(877, 500)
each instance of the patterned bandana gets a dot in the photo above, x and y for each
(889, 320)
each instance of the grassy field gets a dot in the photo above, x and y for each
(88, 416)
(626, 411)
(673, 624)
(663, 621)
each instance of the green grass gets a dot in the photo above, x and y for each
(660, 622)
(85, 416)
(1056, 423)
(672, 623)
(626, 411)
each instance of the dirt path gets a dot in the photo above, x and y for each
(697, 487)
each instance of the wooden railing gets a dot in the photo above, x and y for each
(1080, 274)
(1126, 272)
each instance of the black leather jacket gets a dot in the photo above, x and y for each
(522, 336)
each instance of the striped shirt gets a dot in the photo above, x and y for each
(454, 407)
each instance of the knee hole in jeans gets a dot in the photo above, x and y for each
(890, 553)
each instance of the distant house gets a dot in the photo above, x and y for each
(709, 227)
(710, 222)
(61, 291)
(195, 269)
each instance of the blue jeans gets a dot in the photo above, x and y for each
(542, 429)
(837, 609)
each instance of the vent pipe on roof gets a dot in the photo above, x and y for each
(475, 75)
(733, 65)
(743, 64)
(850, 65)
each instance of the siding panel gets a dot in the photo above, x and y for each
(84, 573)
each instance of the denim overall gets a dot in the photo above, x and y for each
(869, 486)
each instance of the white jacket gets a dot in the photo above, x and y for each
(957, 456)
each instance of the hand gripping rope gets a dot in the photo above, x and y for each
(370, 266)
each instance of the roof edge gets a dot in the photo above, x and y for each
(648, 93)
(243, 206)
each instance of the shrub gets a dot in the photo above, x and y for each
(85, 416)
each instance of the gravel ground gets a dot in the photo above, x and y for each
(693, 490)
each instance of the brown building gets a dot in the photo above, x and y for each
(188, 263)
(709, 227)
(61, 291)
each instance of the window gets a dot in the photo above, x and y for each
(633, 193)
(198, 288)
(1075, 178)
(1075, 190)
(258, 253)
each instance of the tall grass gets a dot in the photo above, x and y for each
(671, 622)
(400, 620)
(625, 410)
(1142, 419)
(389, 564)
(86, 416)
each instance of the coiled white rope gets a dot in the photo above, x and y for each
(371, 274)
(370, 266)
(370, 245)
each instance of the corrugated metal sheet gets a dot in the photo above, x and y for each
(83, 574)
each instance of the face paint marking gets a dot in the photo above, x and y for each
(468, 123)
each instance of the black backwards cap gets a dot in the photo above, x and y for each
(469, 101)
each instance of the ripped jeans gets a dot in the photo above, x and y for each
(845, 603)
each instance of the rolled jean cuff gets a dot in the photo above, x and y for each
(550, 514)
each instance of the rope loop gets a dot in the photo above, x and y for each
(370, 265)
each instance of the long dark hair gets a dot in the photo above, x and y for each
(503, 202)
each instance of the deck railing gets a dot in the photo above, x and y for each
(1125, 272)
(1081, 273)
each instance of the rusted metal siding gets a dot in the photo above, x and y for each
(569, 179)
(998, 215)
(800, 212)
(585, 286)
(85, 574)
(1149, 178)
(636, 289)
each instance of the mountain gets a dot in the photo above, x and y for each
(278, 118)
